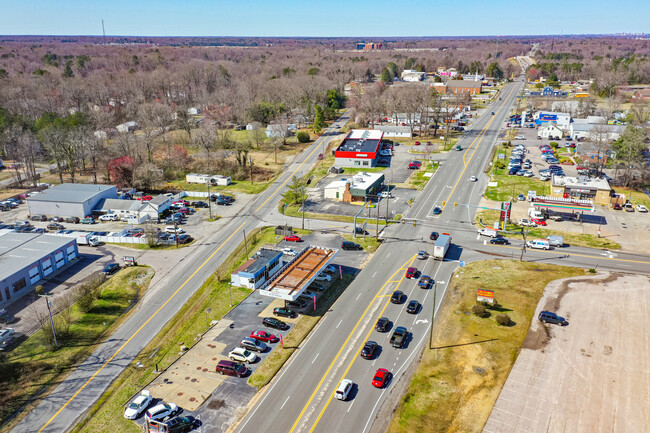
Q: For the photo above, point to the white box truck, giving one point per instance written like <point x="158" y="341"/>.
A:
<point x="88" y="239"/>
<point x="441" y="246"/>
<point x="535" y="213"/>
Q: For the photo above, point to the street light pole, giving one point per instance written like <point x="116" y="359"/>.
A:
<point x="302" y="190"/>
<point x="230" y="291"/>
<point x="209" y="207"/>
<point x="47" y="302"/>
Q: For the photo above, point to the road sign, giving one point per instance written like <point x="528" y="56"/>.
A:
<point x="485" y="296"/>
<point x="462" y="263"/>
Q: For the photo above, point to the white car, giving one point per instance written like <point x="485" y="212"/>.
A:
<point x="323" y="277"/>
<point x="641" y="208"/>
<point x="289" y="251"/>
<point x="488" y="232"/>
<point x="138" y="405"/>
<point x="162" y="411"/>
<point x="330" y="269"/>
<point x="109" y="217"/>
<point x="473" y="179"/>
<point x="385" y="152"/>
<point x="6" y="334"/>
<point x="526" y="223"/>
<point x="529" y="174"/>
<point x="343" y="389"/>
<point x="520" y="137"/>
<point x="385" y="194"/>
<point x="240" y="354"/>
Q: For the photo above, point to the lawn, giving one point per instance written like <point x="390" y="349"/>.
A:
<point x="294" y="211"/>
<point x="509" y="187"/>
<point x="418" y="179"/>
<point x="468" y="360"/>
<point x="33" y="367"/>
<point x="368" y="242"/>
<point x="636" y="197"/>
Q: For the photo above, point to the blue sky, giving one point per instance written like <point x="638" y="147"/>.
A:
<point x="322" y="18"/>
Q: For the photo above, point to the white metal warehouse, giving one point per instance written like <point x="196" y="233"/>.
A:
<point x="69" y="199"/>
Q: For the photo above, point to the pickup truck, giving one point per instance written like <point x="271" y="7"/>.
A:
<point x="425" y="282"/>
<point x="399" y="337"/>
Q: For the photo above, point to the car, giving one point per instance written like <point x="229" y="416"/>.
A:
<point x="182" y="239"/>
<point x="109" y="217"/>
<point x="292" y="238"/>
<point x="433" y="236"/>
<point x="283" y="312"/>
<point x="487" y="231"/>
<point x="346" y="245"/>
<point x="526" y="223"/>
<point x="369" y="350"/>
<point x="240" y="354"/>
<point x="544" y="178"/>
<point x="528" y="173"/>
<point x="180" y="424"/>
<point x="88" y="220"/>
<point x="21" y="224"/>
<point x="397" y="296"/>
<point x="383" y="324"/>
<point x="231" y="368"/>
<point x="493" y="113"/>
<point x="628" y="207"/>
<point x="323" y="277"/>
<point x="422" y="255"/>
<point x="289" y="251"/>
<point x="55" y="227"/>
<point x="641" y="208"/>
<point x="162" y="411"/>
<point x="617" y="206"/>
<point x="548" y="317"/>
<point x="360" y="231"/>
<point x="184" y="211"/>
<point x="413" y="307"/>
<point x="330" y="269"/>
<point x="513" y="171"/>
<point x="385" y="194"/>
<point x="521" y="197"/>
<point x="414" y="165"/>
<point x="381" y="376"/>
<point x="111" y="268"/>
<point x="538" y="221"/>
<point x="38" y="218"/>
<point x="319" y="287"/>
<point x="473" y="179"/>
<point x="425" y="282"/>
<point x="6" y="335"/>
<point x="499" y="241"/>
<point x="138" y="405"/>
<point x="264" y="336"/>
<point x="144" y="198"/>
<point x="252" y="344"/>
<point x="272" y="322"/>
<point x="297" y="304"/>
<point x="343" y="390"/>
<point x="411" y="272"/>
<point x="385" y="152"/>
<point x="437" y="210"/>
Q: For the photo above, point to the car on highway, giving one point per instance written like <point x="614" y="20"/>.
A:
<point x="641" y="208"/>
<point x="264" y="336"/>
<point x="499" y="241"/>
<point x="473" y="179"/>
<point x="284" y="312"/>
<point x="434" y="235"/>
<point x="272" y="322"/>
<point x="381" y="376"/>
<point x="437" y="210"/>
<point x="162" y="411"/>
<point x="397" y="296"/>
<point x="487" y="231"/>
<point x="292" y="238"/>
<point x="548" y="317"/>
<point x="138" y="405"/>
<point x="369" y="350"/>
<point x="252" y="344"/>
<point x="425" y="282"/>
<point x="413" y="307"/>
<point x="422" y="255"/>
<point x="111" y="268"/>
<point x="343" y="390"/>
<point x="347" y="245"/>
<point x="240" y="354"/>
<point x="411" y="272"/>
<point x="383" y="324"/>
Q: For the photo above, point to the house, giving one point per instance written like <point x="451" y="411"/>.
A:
<point x="359" y="149"/>
<point x="155" y="207"/>
<point x="581" y="188"/>
<point x="447" y="72"/>
<point x="358" y="188"/>
<point x="280" y="130"/>
<point x="253" y="126"/>
<point x="550" y="131"/>
<point x="589" y="152"/>
<point x="258" y="269"/>
<point x="412" y="75"/>
<point x="213" y="179"/>
<point x="395" y="131"/>
<point x="127" y="126"/>
<point x="70" y="199"/>
<point x="562" y="120"/>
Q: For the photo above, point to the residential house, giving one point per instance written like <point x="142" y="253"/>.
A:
<point x="127" y="126"/>
<point x="412" y="75"/>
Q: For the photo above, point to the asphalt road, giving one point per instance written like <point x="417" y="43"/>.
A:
<point x="69" y="400"/>
<point x="301" y="399"/>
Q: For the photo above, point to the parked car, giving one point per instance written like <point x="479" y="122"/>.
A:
<point x="323" y="277"/>
<point x="413" y="307"/>
<point x="381" y="376"/>
<point x="369" y="350"/>
<point x="383" y="324"/>
<point x="297" y="304"/>
<point x="111" y="268"/>
<point x="162" y="411"/>
<point x="38" y="218"/>
<point x="628" y="207"/>
<point x="414" y="165"/>
<point x="54" y="226"/>
<point x="538" y="221"/>
<point x="272" y="322"/>
<point x="264" y="336"/>
<point x="88" y="220"/>
<point x="289" y="251"/>
<point x="641" y="208"/>
<point x="109" y="217"/>
<point x="240" y="354"/>
<point x="284" y="312"/>
<point x="343" y="390"/>
<point x="253" y="344"/>
<point x="526" y="223"/>
<point x="292" y="238"/>
<point x="231" y="368"/>
<point x="346" y="245"/>
<point x="548" y="317"/>
<point x="6" y="317"/>
<point x="138" y="405"/>
<point x="182" y="239"/>
<point x="72" y="220"/>
<point x="181" y="424"/>
<point x="617" y="206"/>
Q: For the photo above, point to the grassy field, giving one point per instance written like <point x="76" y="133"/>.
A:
<point x="274" y="362"/>
<point x="636" y="197"/>
<point x="469" y="358"/>
<point x="368" y="242"/>
<point x="509" y="187"/>
<point x="294" y="211"/>
<point x="418" y="180"/>
<point x="185" y="328"/>
<point x="33" y="367"/>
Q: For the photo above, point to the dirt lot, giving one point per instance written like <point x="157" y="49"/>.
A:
<point x="589" y="376"/>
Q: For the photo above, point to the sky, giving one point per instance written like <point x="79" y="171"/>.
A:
<point x="333" y="18"/>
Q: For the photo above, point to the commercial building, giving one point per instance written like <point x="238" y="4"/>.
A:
<point x="28" y="258"/>
<point x="550" y="131"/>
<point x="395" y="131"/>
<point x="359" y="149"/>
<point x="70" y="199"/>
<point x="562" y="120"/>
<point x="138" y="210"/>
<point x="595" y="131"/>
<point x="213" y="179"/>
<point x="459" y="87"/>
<point x="258" y="269"/>
<point x="358" y="188"/>
<point x="581" y="188"/>
<point x="412" y="75"/>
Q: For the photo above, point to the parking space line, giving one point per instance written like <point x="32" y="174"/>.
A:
<point x="514" y="414"/>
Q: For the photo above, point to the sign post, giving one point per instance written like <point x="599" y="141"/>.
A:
<point x="485" y="296"/>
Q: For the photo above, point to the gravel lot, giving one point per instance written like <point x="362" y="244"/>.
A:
<point x="589" y="376"/>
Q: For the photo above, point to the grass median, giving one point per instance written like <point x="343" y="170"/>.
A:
<point x="276" y="359"/>
<point x="468" y="360"/>
<point x="35" y="366"/>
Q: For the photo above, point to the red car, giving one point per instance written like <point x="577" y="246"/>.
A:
<point x="264" y="336"/>
<point x="411" y="272"/>
<point x="417" y="143"/>
<point x="415" y="164"/>
<point x="144" y="198"/>
<point x="292" y="238"/>
<point x="539" y="222"/>
<point x="184" y="210"/>
<point x="381" y="377"/>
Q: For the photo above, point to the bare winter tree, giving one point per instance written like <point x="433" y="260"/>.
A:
<point x="205" y="139"/>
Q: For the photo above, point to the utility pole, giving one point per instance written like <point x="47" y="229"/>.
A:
<point x="250" y="160"/>
<point x="245" y="244"/>
<point x="302" y="198"/>
<point x="209" y="207"/>
<point x="523" y="247"/>
<point x="47" y="301"/>
<point x="377" y="226"/>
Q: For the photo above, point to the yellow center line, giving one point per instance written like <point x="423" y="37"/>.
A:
<point x="137" y="331"/>
<point x="354" y="358"/>
<point x="559" y="253"/>
<point x="313" y="394"/>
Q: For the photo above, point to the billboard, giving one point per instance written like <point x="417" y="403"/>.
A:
<point x="485" y="296"/>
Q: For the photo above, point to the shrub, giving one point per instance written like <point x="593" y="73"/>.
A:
<point x="500" y="165"/>
<point x="303" y="137"/>
<point x="504" y="320"/>
<point x="480" y="311"/>
<point x="553" y="144"/>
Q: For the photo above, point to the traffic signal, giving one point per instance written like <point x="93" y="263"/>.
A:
<point x="455" y="204"/>
<point x="414" y="223"/>
<point x="444" y="203"/>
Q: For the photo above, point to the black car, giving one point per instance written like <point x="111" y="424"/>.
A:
<point x="72" y="220"/>
<point x="434" y="235"/>
<point x="181" y="424"/>
<point x="38" y="218"/>
<point x="499" y="241"/>
<point x="397" y="297"/>
<point x="360" y="231"/>
<point x="111" y="268"/>
<point x="548" y="317"/>
<point x="6" y="316"/>
<point x="272" y="322"/>
<point x="382" y="324"/>
<point x="298" y="303"/>
<point x="413" y="307"/>
<point x="346" y="245"/>
<point x="185" y="239"/>
<point x="369" y="350"/>
<point x="283" y="312"/>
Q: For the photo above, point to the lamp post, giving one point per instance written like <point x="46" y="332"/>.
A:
<point x="47" y="301"/>
<point x="207" y="318"/>
<point x="230" y="291"/>
<point x="209" y="207"/>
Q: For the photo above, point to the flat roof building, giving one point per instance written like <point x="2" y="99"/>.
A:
<point x="359" y="187"/>
<point x="70" y="199"/>
<point x="28" y="258"/>
<point x="581" y="188"/>
<point x="258" y="269"/>
<point x="359" y="149"/>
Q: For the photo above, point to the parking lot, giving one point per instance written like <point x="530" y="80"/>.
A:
<point x="589" y="376"/>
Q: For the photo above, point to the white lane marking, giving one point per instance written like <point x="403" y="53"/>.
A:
<point x="351" y="404"/>
<point x="316" y="357"/>
<point x="387" y="254"/>
<point x="359" y="295"/>
<point x="373" y="275"/>
<point x="285" y="402"/>
<point x="339" y="323"/>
